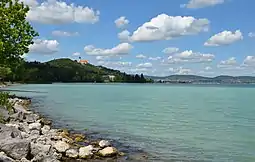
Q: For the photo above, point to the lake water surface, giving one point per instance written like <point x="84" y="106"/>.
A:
<point x="170" y="122"/>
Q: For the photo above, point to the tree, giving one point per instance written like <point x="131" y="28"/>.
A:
<point x="16" y="33"/>
<point x="4" y="72"/>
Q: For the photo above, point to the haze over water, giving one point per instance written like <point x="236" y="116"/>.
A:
<point x="170" y="122"/>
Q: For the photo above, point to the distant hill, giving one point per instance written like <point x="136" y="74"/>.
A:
<point x="201" y="79"/>
<point x="67" y="70"/>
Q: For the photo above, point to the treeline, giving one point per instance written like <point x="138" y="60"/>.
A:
<point x="67" y="70"/>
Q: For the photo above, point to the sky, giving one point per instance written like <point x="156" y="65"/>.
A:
<point x="158" y="38"/>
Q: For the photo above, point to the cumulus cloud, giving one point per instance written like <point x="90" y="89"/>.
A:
<point x="121" y="49"/>
<point x="249" y="61"/>
<point x="207" y="68"/>
<point x="189" y="56"/>
<point x="170" y="50"/>
<point x="251" y="34"/>
<point x="121" y="22"/>
<point x="64" y="33"/>
<point x="144" y="65"/>
<point x="202" y="3"/>
<point x="76" y="54"/>
<point x="44" y="46"/>
<point x="231" y="62"/>
<point x="59" y="12"/>
<point x="154" y="58"/>
<point x="30" y="3"/>
<point x="141" y="56"/>
<point x="224" y="38"/>
<point x="124" y="36"/>
<point x="101" y="58"/>
<point x="122" y="64"/>
<point x="180" y="71"/>
<point x="164" y="27"/>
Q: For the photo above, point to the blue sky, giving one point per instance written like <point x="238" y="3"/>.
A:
<point x="202" y="37"/>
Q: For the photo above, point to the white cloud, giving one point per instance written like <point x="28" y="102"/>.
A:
<point x="30" y="3"/>
<point x="100" y="58"/>
<point x="170" y="50"/>
<point x="121" y="22"/>
<point x="202" y="3"/>
<point x="124" y="36"/>
<point x="164" y="27"/>
<point x="180" y="71"/>
<point x="138" y="70"/>
<point x="76" y="54"/>
<point x="224" y="38"/>
<point x="122" y="64"/>
<point x="190" y="57"/>
<point x="154" y="58"/>
<point x="229" y="63"/>
<point x="121" y="49"/>
<point x="59" y="12"/>
<point x="249" y="61"/>
<point x="207" y="68"/>
<point x="144" y="65"/>
<point x="141" y="56"/>
<point x="251" y="34"/>
<point x="44" y="46"/>
<point x="64" y="33"/>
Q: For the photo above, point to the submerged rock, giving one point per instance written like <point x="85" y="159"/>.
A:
<point x="104" y="143"/>
<point x="108" y="152"/>
<point x="84" y="152"/>
<point x="61" y="146"/>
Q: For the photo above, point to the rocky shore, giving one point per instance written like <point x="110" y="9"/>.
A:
<point x="26" y="136"/>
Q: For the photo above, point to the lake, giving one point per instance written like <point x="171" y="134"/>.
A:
<point x="170" y="122"/>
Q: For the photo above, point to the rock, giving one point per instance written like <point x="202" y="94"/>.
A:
<point x="61" y="146"/>
<point x="45" y="121"/>
<point x="15" y="148"/>
<point x="35" y="126"/>
<point x="57" y="155"/>
<point x="19" y="108"/>
<point x="4" y="113"/>
<point x="24" y="160"/>
<point x="35" y="133"/>
<point x="104" y="143"/>
<point x="5" y="158"/>
<point x="31" y="118"/>
<point x="37" y="148"/>
<point x="108" y="152"/>
<point x="9" y="132"/>
<point x="24" y="127"/>
<point x="44" y="140"/>
<point x="45" y="129"/>
<point x="24" y="135"/>
<point x="84" y="152"/>
<point x="72" y="153"/>
<point x="19" y="116"/>
<point x="12" y="125"/>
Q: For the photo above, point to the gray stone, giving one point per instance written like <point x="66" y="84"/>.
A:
<point x="84" y="152"/>
<point x="72" y="153"/>
<point x="24" y="127"/>
<point x="19" y="116"/>
<point x="45" y="129"/>
<point x="31" y="118"/>
<point x="15" y="148"/>
<point x="61" y="146"/>
<point x="37" y="148"/>
<point x="20" y="108"/>
<point x="45" y="121"/>
<point x="108" y="152"/>
<point x="44" y="140"/>
<point x="24" y="160"/>
<point x="24" y="135"/>
<point x="5" y="158"/>
<point x="35" y="126"/>
<point x="104" y="143"/>
<point x="4" y="113"/>
<point x="9" y="132"/>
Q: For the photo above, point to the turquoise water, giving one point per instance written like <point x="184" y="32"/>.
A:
<point x="171" y="123"/>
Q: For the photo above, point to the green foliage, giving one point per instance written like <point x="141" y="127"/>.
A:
<point x="16" y="34"/>
<point x="4" y="96"/>
<point x="4" y="72"/>
<point x="66" y="70"/>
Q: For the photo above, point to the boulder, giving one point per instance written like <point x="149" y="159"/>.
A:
<point x="20" y="108"/>
<point x="61" y="146"/>
<point x="9" y="132"/>
<point x="108" y="152"/>
<point x="5" y="158"/>
<point x="72" y="153"/>
<point x="44" y="140"/>
<point x="15" y="148"/>
<point x="45" y="121"/>
<point x="19" y="116"/>
<point x="24" y="135"/>
<point x="31" y="118"/>
<point x="45" y="129"/>
<point x="12" y="125"/>
<point x="104" y="143"/>
<point x="24" y="127"/>
<point x="37" y="148"/>
<point x="84" y="152"/>
<point x="35" y="126"/>
<point x="24" y="160"/>
<point x="4" y="113"/>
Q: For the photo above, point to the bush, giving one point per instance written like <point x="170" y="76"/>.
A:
<point x="4" y="101"/>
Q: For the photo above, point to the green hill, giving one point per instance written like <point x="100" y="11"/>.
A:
<point x="67" y="70"/>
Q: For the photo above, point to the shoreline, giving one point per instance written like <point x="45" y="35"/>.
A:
<point x="38" y="132"/>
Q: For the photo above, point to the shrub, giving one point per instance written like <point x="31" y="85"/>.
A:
<point x="4" y="101"/>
